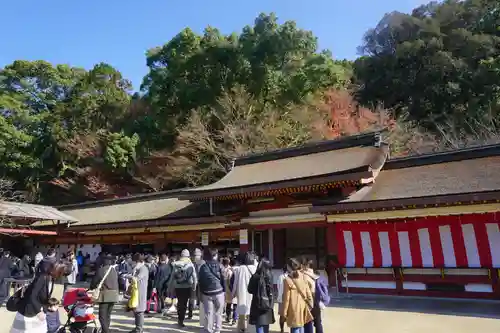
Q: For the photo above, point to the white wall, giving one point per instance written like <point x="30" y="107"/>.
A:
<point x="91" y="249"/>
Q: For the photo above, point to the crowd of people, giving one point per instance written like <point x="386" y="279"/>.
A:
<point x="238" y="290"/>
<point x="15" y="268"/>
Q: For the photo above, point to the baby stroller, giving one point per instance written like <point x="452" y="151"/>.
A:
<point x="80" y="309"/>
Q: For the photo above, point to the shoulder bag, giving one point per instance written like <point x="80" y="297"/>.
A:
<point x="218" y="277"/>
<point x="97" y="292"/>
<point x="301" y="293"/>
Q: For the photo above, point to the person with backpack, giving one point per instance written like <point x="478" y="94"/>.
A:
<point x="211" y="283"/>
<point x="261" y="288"/>
<point x="184" y="283"/>
<point x="321" y="300"/>
<point x="320" y="293"/>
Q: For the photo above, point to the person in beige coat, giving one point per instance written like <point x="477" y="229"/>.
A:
<point x="297" y="298"/>
<point x="227" y="272"/>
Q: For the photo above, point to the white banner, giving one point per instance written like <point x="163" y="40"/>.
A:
<point x="243" y="236"/>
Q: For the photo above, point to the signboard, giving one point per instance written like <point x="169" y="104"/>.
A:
<point x="204" y="239"/>
<point x="243" y="236"/>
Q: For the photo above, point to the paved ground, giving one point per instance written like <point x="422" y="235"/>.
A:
<point x="355" y="315"/>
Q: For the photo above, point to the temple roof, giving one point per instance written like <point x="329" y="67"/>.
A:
<point x="24" y="213"/>
<point x="128" y="211"/>
<point x="467" y="176"/>
<point x="460" y="175"/>
<point x="156" y="209"/>
<point x="348" y="159"/>
<point x="437" y="179"/>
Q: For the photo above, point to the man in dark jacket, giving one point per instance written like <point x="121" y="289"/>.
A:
<point x="99" y="261"/>
<point x="212" y="289"/>
<point x="162" y="280"/>
<point x="152" y="269"/>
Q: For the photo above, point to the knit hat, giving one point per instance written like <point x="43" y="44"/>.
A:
<point x="185" y="253"/>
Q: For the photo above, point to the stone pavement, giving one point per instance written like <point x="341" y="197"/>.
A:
<point x="360" y="314"/>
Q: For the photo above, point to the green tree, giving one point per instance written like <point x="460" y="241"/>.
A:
<point x="49" y="115"/>
<point x="275" y="63"/>
<point x="433" y="63"/>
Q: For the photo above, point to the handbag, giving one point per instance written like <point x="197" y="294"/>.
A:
<point x="97" y="292"/>
<point x="14" y="300"/>
<point x="152" y="303"/>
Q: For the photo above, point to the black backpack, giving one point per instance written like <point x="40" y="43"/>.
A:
<point x="264" y="294"/>
<point x="182" y="276"/>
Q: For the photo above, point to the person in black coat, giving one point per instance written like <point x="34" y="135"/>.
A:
<point x="261" y="287"/>
<point x="108" y="295"/>
<point x="162" y="279"/>
<point x="152" y="268"/>
<point x="23" y="268"/>
<point x="38" y="292"/>
<point x="30" y="316"/>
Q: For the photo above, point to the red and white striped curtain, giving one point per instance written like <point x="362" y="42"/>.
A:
<point x="451" y="241"/>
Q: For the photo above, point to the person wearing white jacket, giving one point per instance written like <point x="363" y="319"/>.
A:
<point x="279" y="299"/>
<point x="70" y="279"/>
<point x="241" y="278"/>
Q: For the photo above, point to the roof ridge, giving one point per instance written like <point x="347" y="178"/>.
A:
<point x="455" y="155"/>
<point x="169" y="194"/>
<point x="373" y="138"/>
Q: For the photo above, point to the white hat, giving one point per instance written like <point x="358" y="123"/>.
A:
<point x="185" y="253"/>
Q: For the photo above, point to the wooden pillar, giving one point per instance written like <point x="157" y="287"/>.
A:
<point x="265" y="243"/>
<point x="399" y="278"/>
<point x="331" y="240"/>
<point x="271" y="246"/>
<point x="495" y="281"/>
<point x="331" y="252"/>
<point x="279" y="246"/>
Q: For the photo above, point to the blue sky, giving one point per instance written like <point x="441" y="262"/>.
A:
<point x="82" y="33"/>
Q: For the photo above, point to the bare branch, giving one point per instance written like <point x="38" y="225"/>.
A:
<point x="239" y="125"/>
<point x="8" y="192"/>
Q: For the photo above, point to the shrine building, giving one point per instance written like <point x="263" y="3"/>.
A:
<point x="424" y="225"/>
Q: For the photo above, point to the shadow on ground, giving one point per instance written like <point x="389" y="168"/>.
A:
<point x="465" y="308"/>
<point x="122" y="321"/>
